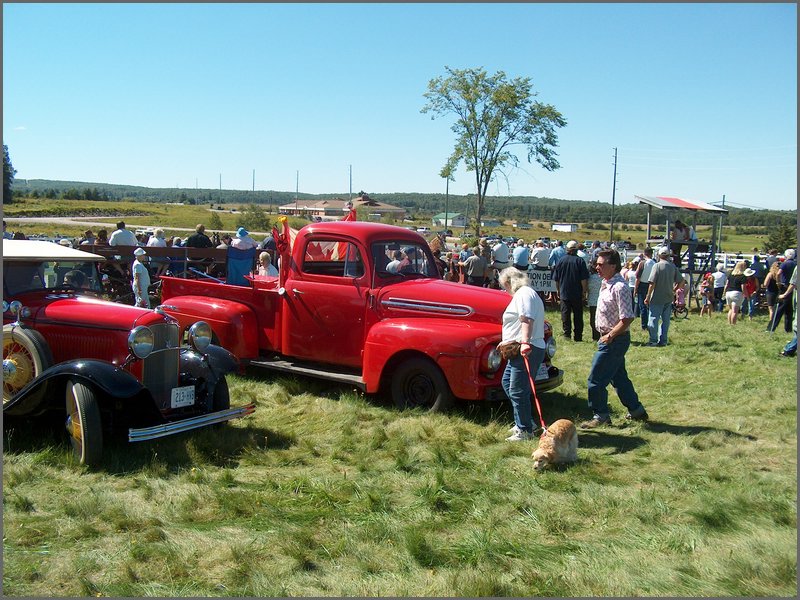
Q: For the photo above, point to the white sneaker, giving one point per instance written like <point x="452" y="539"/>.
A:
<point x="519" y="436"/>
<point x="514" y="429"/>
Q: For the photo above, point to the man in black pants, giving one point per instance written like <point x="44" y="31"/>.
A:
<point x="572" y="277"/>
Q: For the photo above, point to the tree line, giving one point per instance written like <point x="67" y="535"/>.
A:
<point x="419" y="205"/>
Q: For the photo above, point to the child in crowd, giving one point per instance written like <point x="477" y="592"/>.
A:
<point x="706" y="291"/>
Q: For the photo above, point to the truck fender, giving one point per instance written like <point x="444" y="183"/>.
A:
<point x="109" y="379"/>
<point x="234" y="324"/>
<point x="444" y="341"/>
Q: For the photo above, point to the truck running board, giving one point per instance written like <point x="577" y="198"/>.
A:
<point x="311" y="370"/>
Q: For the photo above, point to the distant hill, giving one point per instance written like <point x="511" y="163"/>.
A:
<point x="520" y="208"/>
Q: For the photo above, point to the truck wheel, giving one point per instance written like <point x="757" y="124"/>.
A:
<point x="25" y="355"/>
<point x="417" y="382"/>
<point x="83" y="423"/>
<point x="222" y="397"/>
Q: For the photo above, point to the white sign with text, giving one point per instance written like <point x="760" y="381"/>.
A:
<point x="541" y="281"/>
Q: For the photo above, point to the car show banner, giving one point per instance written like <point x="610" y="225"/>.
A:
<point x="542" y="281"/>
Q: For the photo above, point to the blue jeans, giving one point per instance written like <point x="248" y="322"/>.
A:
<point x="608" y="366"/>
<point x="641" y="293"/>
<point x="791" y="347"/>
<point x="517" y="386"/>
<point x="664" y="313"/>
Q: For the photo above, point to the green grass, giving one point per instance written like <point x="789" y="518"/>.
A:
<point x="326" y="492"/>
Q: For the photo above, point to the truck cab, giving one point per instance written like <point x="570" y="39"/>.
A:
<point x="361" y="303"/>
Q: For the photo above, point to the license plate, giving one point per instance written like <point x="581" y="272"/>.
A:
<point x="542" y="372"/>
<point x="182" y="396"/>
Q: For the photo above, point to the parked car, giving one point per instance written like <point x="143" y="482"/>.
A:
<point x="99" y="364"/>
<point x="338" y="312"/>
<point x="423" y="230"/>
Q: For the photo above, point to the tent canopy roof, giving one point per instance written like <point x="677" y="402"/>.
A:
<point x="670" y="202"/>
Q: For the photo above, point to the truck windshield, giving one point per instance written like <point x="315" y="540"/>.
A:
<point x="397" y="258"/>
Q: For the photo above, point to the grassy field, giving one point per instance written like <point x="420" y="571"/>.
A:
<point x="325" y="492"/>
<point x="168" y="216"/>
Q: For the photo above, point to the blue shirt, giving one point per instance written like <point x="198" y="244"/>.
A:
<point x="520" y="255"/>
<point x="557" y="254"/>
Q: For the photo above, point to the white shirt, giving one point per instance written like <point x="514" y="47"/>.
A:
<point x="525" y="302"/>
<point x="155" y="242"/>
<point x="646" y="269"/>
<point x="500" y="252"/>
<point x="541" y="256"/>
<point x="123" y="237"/>
<point x="244" y="243"/>
<point x="720" y="278"/>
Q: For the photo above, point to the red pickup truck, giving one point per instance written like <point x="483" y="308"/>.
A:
<point x="361" y="303"/>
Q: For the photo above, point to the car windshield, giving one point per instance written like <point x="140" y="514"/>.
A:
<point x="397" y="258"/>
<point x="25" y="276"/>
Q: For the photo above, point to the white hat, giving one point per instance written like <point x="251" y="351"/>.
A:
<point x="572" y="244"/>
<point x="139" y="252"/>
<point x="664" y="251"/>
<point x="749" y="272"/>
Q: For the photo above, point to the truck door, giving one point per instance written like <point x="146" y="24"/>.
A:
<point x="325" y="304"/>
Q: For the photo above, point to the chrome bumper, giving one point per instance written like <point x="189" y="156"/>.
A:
<point x="159" y="431"/>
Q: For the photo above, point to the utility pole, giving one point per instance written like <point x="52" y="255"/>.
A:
<point x="296" y="191"/>
<point x="719" y="238"/>
<point x="351" y="183"/>
<point x="613" y="198"/>
<point x="254" y="180"/>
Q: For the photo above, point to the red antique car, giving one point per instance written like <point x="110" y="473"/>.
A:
<point x="341" y="311"/>
<point x="102" y="365"/>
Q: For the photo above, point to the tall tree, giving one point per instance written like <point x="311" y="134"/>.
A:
<point x="493" y="115"/>
<point x="782" y="237"/>
<point x="8" y="176"/>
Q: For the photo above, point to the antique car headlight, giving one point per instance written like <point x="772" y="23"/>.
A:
<point x="200" y="336"/>
<point x="493" y="360"/>
<point x="551" y="347"/>
<point x="141" y="342"/>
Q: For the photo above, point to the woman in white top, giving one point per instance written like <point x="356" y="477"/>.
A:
<point x="159" y="263"/>
<point x="523" y="322"/>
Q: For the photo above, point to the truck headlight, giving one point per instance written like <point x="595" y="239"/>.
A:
<point x="550" y="347"/>
<point x="200" y="336"/>
<point x="141" y="342"/>
<point x="493" y="360"/>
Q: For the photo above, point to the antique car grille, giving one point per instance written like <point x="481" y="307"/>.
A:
<point x="161" y="369"/>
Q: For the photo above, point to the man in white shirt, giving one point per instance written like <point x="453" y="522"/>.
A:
<point x="500" y="256"/>
<point x="122" y="236"/>
<point x="540" y="256"/>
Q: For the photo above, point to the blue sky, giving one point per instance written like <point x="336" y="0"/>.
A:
<point x="699" y="99"/>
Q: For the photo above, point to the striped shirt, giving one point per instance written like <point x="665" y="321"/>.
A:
<point x="613" y="304"/>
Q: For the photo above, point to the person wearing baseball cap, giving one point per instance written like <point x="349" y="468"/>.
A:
<point x="665" y="278"/>
<point x="141" y="278"/>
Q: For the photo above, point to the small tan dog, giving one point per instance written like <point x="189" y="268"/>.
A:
<point x="559" y="444"/>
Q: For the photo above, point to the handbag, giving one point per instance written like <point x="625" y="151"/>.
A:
<point x="508" y="349"/>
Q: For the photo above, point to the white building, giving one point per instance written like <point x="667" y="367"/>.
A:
<point x="565" y="227"/>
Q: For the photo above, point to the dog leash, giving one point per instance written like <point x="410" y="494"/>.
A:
<point x="535" y="397"/>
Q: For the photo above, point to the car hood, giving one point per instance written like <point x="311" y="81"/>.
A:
<point x="91" y="312"/>
<point x="439" y="298"/>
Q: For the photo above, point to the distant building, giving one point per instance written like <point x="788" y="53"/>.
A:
<point x="450" y="220"/>
<point x="490" y="223"/>
<point x="565" y="227"/>
<point x="336" y="208"/>
<point x="521" y="225"/>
